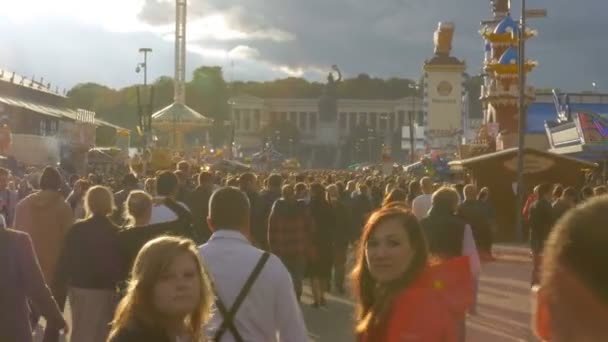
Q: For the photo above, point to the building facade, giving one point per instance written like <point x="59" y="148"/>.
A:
<point x="381" y="119"/>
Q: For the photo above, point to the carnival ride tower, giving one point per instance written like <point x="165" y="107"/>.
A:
<point x="500" y="92"/>
<point x="177" y="120"/>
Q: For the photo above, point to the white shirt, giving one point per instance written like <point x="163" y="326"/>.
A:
<point x="270" y="312"/>
<point x="421" y="206"/>
<point x="469" y="248"/>
<point x="161" y="213"/>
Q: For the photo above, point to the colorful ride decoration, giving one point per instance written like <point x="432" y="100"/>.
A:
<point x="432" y="165"/>
<point x="291" y="164"/>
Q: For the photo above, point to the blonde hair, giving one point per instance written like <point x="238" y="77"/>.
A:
<point x="137" y="205"/>
<point x="153" y="259"/>
<point x="98" y="201"/>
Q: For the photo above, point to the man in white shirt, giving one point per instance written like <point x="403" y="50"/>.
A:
<point x="266" y="310"/>
<point x="422" y="204"/>
<point x="167" y="187"/>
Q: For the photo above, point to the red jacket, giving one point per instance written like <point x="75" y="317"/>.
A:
<point x="432" y="308"/>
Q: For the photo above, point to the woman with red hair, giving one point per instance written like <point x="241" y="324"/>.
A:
<point x="400" y="297"/>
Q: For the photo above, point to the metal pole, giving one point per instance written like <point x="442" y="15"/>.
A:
<point x="522" y="123"/>
<point x="412" y="141"/>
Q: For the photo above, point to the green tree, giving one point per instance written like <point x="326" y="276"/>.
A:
<point x="208" y="94"/>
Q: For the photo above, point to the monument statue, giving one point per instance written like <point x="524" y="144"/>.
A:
<point x="443" y="38"/>
<point x="328" y="104"/>
<point x="501" y="6"/>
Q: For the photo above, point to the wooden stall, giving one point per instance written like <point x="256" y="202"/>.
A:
<point x="498" y="172"/>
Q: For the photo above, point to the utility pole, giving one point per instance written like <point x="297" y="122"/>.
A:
<point x="525" y="13"/>
<point x="145" y="111"/>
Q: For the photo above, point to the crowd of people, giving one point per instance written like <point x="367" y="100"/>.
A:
<point x="197" y="256"/>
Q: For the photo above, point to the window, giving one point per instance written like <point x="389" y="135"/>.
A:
<point x="283" y="116"/>
<point x="247" y="122"/>
<point x="343" y="117"/>
<point x="293" y="117"/>
<point x="273" y="116"/>
<point x="401" y="119"/>
<point x="383" y="121"/>
<point x="362" y="119"/>
<point x="420" y="118"/>
<point x="391" y="121"/>
<point x="237" y="118"/>
<point x="257" y="118"/>
<point x="352" y="122"/>
<point x="313" y="121"/>
<point x="373" y="120"/>
<point x="302" y="123"/>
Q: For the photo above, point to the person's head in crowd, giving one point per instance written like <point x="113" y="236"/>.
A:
<point x="390" y="185"/>
<point x="98" y="202"/>
<point x="333" y="194"/>
<point x="167" y="185"/>
<point x="600" y="190"/>
<point x="205" y="179"/>
<point x="288" y="193"/>
<point x="182" y="178"/>
<point x="50" y="179"/>
<point x="247" y="182"/>
<point x="301" y="190"/>
<point x="317" y="192"/>
<point x="169" y="290"/>
<point x="341" y="187"/>
<point x="73" y="179"/>
<point x="445" y="199"/>
<point x="414" y="189"/>
<point x="469" y="192"/>
<point x="138" y="208"/>
<point x="391" y="255"/>
<point x="484" y="194"/>
<point x="4" y="178"/>
<point x="426" y="184"/>
<point x="363" y="189"/>
<point x="184" y="167"/>
<point x="81" y="186"/>
<point x="570" y="195"/>
<point x="351" y="186"/>
<point x="275" y="181"/>
<point x="586" y="193"/>
<point x="545" y="192"/>
<point x="150" y="186"/>
<point x="229" y="208"/>
<point x="233" y="182"/>
<point x="558" y="190"/>
<point x="572" y="300"/>
<point x="92" y="178"/>
<point x="300" y="178"/>
<point x="395" y="196"/>
<point x="129" y="182"/>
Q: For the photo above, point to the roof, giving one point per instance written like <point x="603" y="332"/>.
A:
<point x="13" y="78"/>
<point x="506" y="25"/>
<point x="180" y="113"/>
<point x="511" y="152"/>
<point x="53" y="111"/>
<point x="105" y="123"/>
<point x="509" y="57"/>
<point x="538" y="113"/>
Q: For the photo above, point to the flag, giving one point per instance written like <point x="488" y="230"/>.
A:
<point x="453" y="279"/>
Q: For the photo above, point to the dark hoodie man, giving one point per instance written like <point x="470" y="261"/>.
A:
<point x="198" y="202"/>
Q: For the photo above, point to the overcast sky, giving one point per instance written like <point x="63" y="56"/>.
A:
<point x="74" y="41"/>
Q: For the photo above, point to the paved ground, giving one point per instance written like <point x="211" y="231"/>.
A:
<point x="504" y="308"/>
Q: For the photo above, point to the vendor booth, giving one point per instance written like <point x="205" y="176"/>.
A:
<point x="498" y="172"/>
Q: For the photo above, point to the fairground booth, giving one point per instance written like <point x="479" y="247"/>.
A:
<point x="498" y="172"/>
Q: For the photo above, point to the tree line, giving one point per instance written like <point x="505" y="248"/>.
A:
<point x="208" y="94"/>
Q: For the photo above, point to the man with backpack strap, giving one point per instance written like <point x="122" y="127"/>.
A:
<point x="255" y="300"/>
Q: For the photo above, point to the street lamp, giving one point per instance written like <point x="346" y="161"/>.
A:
<point x="144" y="65"/>
<point x="411" y="121"/>
<point x="525" y="13"/>
<point x="231" y="103"/>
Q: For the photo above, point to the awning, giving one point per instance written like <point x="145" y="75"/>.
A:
<point x="100" y="122"/>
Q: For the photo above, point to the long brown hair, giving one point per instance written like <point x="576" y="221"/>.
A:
<point x="153" y="259"/>
<point x="374" y="299"/>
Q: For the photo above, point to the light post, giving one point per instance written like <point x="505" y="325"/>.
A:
<point x="231" y="103"/>
<point x="525" y="14"/>
<point x="411" y="122"/>
<point x="291" y="147"/>
<point x="145" y="119"/>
